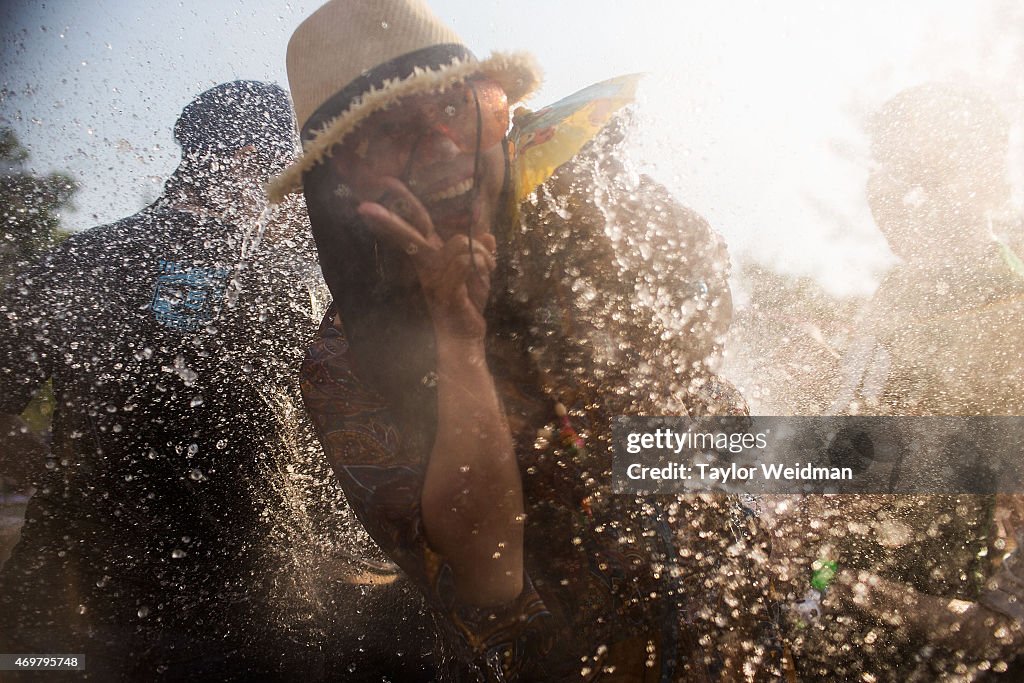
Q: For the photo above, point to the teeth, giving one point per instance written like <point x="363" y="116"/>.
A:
<point x="453" y="191"/>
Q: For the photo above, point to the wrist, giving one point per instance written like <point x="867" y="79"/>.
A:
<point x="460" y="349"/>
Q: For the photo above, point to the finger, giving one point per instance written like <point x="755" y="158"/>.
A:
<point x="453" y="278"/>
<point x="455" y="245"/>
<point x="478" y="285"/>
<point x="394" y="229"/>
<point x="485" y="256"/>
<point x="488" y="240"/>
<point x="458" y="246"/>
<point x="409" y="206"/>
<point x="471" y="273"/>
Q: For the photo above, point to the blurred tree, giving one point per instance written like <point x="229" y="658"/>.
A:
<point x="29" y="225"/>
<point x="29" y="207"/>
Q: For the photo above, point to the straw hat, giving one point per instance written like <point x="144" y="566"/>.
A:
<point x="352" y="58"/>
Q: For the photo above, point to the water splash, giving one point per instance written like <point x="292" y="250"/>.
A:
<point x="251" y="242"/>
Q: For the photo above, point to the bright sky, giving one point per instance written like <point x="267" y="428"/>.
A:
<point x="752" y="113"/>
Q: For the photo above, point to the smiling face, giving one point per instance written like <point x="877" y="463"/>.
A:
<point x="430" y="143"/>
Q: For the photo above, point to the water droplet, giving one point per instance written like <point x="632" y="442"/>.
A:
<point x="196" y="401"/>
<point x="178" y="553"/>
<point x="143" y="612"/>
<point x="187" y="375"/>
<point x="196" y="474"/>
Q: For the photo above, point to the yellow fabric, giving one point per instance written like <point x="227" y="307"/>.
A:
<point x="545" y="139"/>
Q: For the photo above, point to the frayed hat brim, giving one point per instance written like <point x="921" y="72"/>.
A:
<point x="517" y="73"/>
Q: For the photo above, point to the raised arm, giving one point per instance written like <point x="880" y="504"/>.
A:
<point x="472" y="494"/>
<point x="472" y="500"/>
<point x="384" y="484"/>
<point x="387" y="485"/>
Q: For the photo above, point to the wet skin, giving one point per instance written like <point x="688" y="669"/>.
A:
<point x="411" y="171"/>
<point x="428" y="142"/>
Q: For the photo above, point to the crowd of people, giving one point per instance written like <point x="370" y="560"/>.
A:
<point x="368" y="436"/>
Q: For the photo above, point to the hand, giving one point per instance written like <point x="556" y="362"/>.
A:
<point x="456" y="280"/>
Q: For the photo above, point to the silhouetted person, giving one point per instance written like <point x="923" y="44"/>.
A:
<point x="184" y="526"/>
<point x="942" y="333"/>
<point x="924" y="589"/>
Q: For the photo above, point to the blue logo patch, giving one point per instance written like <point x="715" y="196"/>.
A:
<point x="187" y="297"/>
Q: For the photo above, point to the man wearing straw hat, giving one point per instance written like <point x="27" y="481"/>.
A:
<point x="464" y="380"/>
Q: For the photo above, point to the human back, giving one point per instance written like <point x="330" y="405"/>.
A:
<point x="162" y="528"/>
